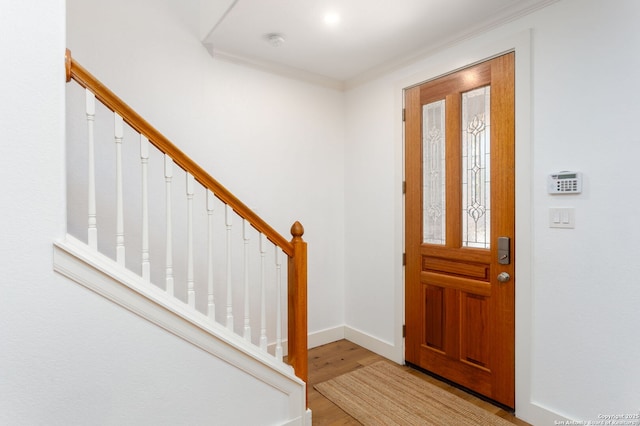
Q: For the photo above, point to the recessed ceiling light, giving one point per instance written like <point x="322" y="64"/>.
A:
<point x="331" y="18"/>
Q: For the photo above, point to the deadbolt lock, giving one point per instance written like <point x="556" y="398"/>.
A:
<point x="504" y="250"/>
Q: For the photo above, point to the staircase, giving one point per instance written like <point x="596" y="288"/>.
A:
<point x="150" y="230"/>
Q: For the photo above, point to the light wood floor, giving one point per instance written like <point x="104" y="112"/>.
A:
<point x="334" y="359"/>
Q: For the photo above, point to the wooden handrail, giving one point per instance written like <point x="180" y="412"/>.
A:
<point x="76" y="72"/>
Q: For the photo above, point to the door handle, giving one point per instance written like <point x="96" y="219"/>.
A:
<point x="503" y="277"/>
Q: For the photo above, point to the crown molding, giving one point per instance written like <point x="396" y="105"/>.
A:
<point x="275" y="68"/>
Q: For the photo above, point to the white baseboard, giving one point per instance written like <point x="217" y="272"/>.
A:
<point x="330" y="335"/>
<point x="315" y="339"/>
<point x="322" y="337"/>
<point x="374" y="344"/>
<point x="533" y="413"/>
<point x="304" y="420"/>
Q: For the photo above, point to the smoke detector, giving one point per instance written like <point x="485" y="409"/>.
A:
<point x="274" y="39"/>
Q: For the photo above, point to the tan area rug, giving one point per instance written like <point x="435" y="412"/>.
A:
<point x="385" y="394"/>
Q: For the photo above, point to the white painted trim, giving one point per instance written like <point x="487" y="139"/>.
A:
<point x="277" y="69"/>
<point x="305" y="420"/>
<point x="322" y="337"/>
<point x="470" y="52"/>
<point x="222" y="17"/>
<point x="101" y="274"/>
<point x="500" y="18"/>
<point x="372" y="343"/>
<point x="315" y="339"/>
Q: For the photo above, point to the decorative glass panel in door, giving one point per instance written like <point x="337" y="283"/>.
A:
<point x="433" y="149"/>
<point x="476" y="182"/>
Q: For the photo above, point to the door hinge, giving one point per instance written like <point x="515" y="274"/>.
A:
<point x="404" y="114"/>
<point x="404" y="186"/>
<point x="404" y="330"/>
<point x="404" y="259"/>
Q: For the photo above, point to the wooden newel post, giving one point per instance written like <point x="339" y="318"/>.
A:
<point x="67" y="65"/>
<point x="297" y="324"/>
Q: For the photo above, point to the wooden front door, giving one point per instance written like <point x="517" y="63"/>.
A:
<point x="460" y="283"/>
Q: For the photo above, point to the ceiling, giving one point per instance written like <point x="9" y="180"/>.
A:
<point x="370" y="35"/>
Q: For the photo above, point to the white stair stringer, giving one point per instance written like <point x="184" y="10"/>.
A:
<point x="97" y="272"/>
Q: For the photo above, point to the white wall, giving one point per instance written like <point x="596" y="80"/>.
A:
<point x="581" y="301"/>
<point x="68" y="356"/>
<point x="274" y="142"/>
<point x="578" y="307"/>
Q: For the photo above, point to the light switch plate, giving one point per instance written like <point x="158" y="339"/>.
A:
<point x="562" y="217"/>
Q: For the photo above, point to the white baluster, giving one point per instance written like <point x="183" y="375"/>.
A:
<point x="168" y="175"/>
<point x="144" y="163"/>
<point x="92" y="231"/>
<point x="247" y="322"/>
<point x="211" y="310"/>
<point x="278" y="304"/>
<point x="228" y="214"/>
<point x="263" y="302"/>
<point x="118" y="130"/>
<point x="191" y="291"/>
